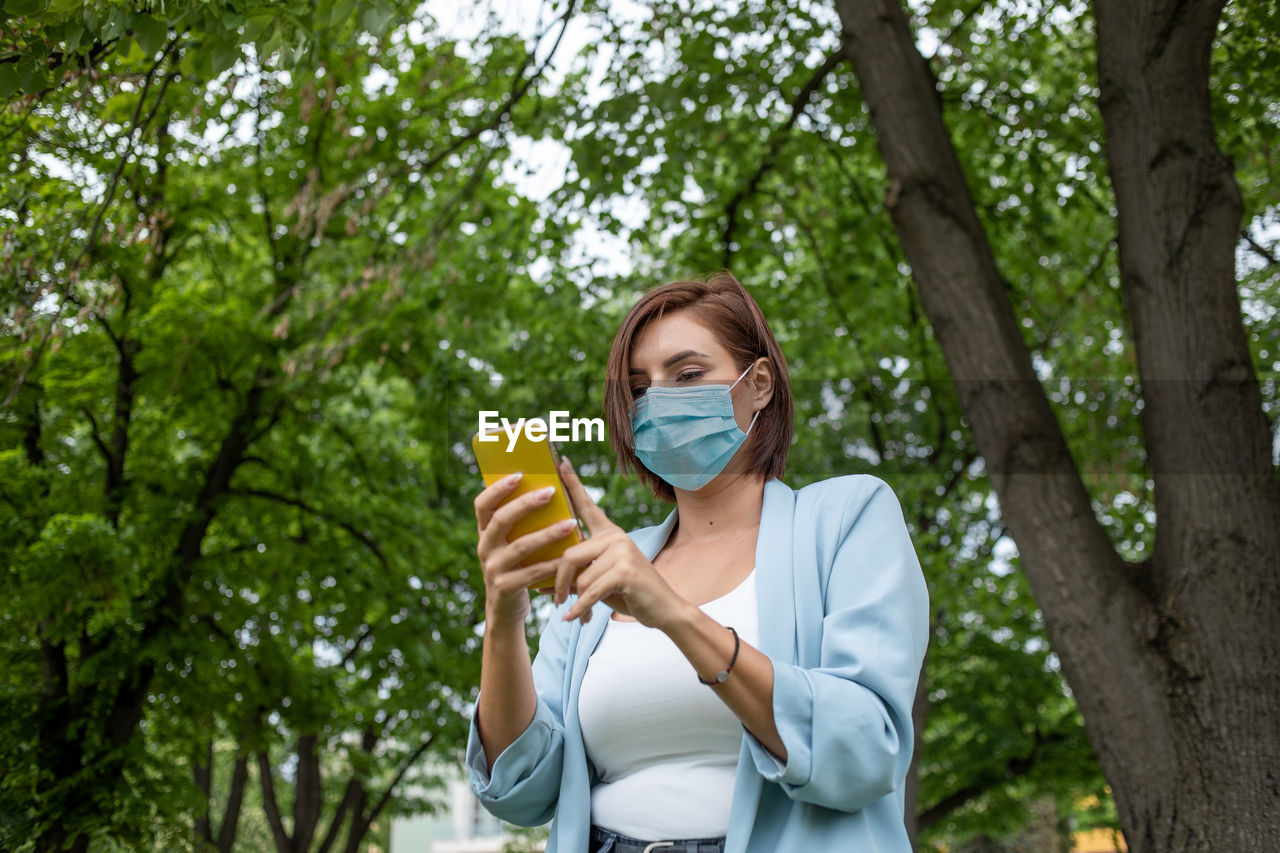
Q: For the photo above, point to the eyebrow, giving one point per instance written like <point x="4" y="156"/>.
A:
<point x="680" y="356"/>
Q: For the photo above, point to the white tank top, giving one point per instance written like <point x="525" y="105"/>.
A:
<point x="665" y="747"/>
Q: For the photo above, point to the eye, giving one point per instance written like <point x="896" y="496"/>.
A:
<point x="637" y="391"/>
<point x="689" y="375"/>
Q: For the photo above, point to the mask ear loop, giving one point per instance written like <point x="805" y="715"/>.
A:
<point x="734" y="385"/>
<point x="744" y="373"/>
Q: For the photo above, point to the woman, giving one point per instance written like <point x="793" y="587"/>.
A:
<point x="737" y="678"/>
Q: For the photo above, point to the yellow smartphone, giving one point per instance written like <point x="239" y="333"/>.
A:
<point x="499" y="455"/>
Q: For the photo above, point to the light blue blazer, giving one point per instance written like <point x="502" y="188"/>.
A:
<point x="843" y="617"/>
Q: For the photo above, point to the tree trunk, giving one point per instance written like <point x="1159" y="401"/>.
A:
<point x="271" y="805"/>
<point x="1213" y="570"/>
<point x="1168" y="659"/>
<point x="307" y="798"/>
<point x="359" y="822"/>
<point x="202" y="775"/>
<point x="235" y="800"/>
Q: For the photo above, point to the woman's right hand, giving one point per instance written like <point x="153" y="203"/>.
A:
<point x="505" y="582"/>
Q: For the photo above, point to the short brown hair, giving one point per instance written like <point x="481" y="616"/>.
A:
<point x="723" y="305"/>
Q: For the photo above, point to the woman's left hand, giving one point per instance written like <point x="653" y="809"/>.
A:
<point x="617" y="572"/>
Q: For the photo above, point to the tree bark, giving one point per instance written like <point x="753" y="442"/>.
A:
<point x="202" y="775"/>
<point x="1168" y="658"/>
<point x="271" y="805"/>
<point x="235" y="799"/>
<point x="362" y="822"/>
<point x="1213" y="573"/>
<point x="354" y="795"/>
<point x="307" y="796"/>
<point x="359" y="825"/>
<point x="202" y="772"/>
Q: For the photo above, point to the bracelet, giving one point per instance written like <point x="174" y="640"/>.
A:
<point x="723" y="674"/>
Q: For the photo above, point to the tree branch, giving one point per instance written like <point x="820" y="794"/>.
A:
<point x="368" y="819"/>
<point x="519" y="88"/>
<point x="271" y="805"/>
<point x="349" y="796"/>
<point x="365" y="631"/>
<point x="96" y="435"/>
<point x="268" y="224"/>
<point x="202" y="775"/>
<point x="355" y="533"/>
<point x="235" y="799"/>
<point x="137" y="130"/>
<point x="353" y="796"/>
<point x="1261" y="250"/>
<point x="56" y="58"/>
<point x="32" y="429"/>
<point x="967" y="16"/>
<point x="1012" y="769"/>
<point x="776" y="141"/>
<point x="864" y="388"/>
<point x="125" y="379"/>
<point x="166" y="608"/>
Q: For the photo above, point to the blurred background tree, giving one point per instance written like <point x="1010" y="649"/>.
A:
<point x="263" y="265"/>
<point x="241" y="248"/>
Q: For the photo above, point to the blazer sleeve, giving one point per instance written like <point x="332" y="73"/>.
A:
<point x="846" y="723"/>
<point x="525" y="783"/>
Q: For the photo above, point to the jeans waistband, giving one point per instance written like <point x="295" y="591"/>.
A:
<point x="604" y="841"/>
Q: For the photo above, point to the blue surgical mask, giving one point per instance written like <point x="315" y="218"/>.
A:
<point x="687" y="435"/>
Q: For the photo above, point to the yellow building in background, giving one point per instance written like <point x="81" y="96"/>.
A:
<point x="1098" y="841"/>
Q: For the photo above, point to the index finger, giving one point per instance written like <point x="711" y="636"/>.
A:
<point x="596" y="520"/>
<point x="492" y="497"/>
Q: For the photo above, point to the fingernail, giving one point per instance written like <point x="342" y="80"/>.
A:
<point x="545" y="494"/>
<point x="566" y="461"/>
<point x="566" y="525"/>
<point x="512" y="479"/>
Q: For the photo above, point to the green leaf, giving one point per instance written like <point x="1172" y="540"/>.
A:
<point x="114" y="26"/>
<point x="340" y="12"/>
<point x="25" y="7"/>
<point x="9" y="83"/>
<point x="149" y="33"/>
<point x="119" y="108"/>
<point x="194" y="64"/>
<point x="222" y="55"/>
<point x="33" y="75"/>
<point x="256" y="23"/>
<point x="129" y="51"/>
<point x="376" y="17"/>
<point x="68" y="34"/>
